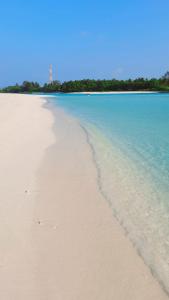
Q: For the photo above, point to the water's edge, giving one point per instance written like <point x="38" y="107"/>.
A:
<point x="115" y="215"/>
<point x="50" y="105"/>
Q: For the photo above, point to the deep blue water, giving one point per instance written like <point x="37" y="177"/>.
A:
<point x="130" y="137"/>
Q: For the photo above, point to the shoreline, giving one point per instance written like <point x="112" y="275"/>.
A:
<point x="112" y="93"/>
<point x="116" y="216"/>
<point x="59" y="236"/>
<point x="78" y="134"/>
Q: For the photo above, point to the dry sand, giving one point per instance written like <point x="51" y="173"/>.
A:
<point x="58" y="238"/>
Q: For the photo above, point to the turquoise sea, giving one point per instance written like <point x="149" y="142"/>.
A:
<point x="129" y="136"/>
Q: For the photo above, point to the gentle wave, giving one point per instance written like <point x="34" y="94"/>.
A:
<point x="128" y="135"/>
<point x="134" y="200"/>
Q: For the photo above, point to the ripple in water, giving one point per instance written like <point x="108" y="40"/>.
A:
<point x="129" y="135"/>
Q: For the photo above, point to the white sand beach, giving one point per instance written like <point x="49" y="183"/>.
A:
<point x="58" y="237"/>
<point x="112" y="93"/>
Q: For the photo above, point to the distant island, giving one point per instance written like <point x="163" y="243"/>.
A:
<point x="91" y="85"/>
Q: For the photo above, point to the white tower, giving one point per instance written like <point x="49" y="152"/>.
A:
<point x="50" y="74"/>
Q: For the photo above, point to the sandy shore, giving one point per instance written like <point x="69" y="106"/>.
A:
<point x="112" y="93"/>
<point x="58" y="237"/>
<point x="25" y="134"/>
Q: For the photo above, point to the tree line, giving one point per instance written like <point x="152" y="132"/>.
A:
<point x="91" y="85"/>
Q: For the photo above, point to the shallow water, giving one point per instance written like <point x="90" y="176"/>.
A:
<point x="129" y="135"/>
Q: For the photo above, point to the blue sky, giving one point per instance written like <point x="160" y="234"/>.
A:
<point x="83" y="39"/>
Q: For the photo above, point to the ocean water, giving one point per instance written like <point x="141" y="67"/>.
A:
<point x="129" y="136"/>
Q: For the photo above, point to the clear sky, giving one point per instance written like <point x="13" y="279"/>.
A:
<point x="83" y="39"/>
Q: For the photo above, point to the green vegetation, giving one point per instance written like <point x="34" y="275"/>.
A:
<point x="91" y="85"/>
